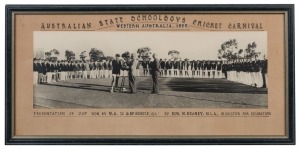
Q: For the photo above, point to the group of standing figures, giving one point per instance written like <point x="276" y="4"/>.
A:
<point x="131" y="65"/>
<point x="249" y="72"/>
<point x="46" y="71"/>
<point x="246" y="71"/>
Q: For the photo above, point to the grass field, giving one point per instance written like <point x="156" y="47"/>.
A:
<point x="174" y="93"/>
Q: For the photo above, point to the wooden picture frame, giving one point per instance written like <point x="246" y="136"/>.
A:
<point x="274" y="123"/>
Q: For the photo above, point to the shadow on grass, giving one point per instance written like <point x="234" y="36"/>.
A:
<point x="178" y="85"/>
<point x="216" y="101"/>
<point x="85" y="87"/>
<point x="203" y="85"/>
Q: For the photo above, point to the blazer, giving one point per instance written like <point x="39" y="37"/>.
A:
<point x="169" y="65"/>
<point x="163" y="65"/>
<point x="155" y="65"/>
<point x="175" y="65"/>
<point x="116" y="67"/>
<point x="132" y="67"/>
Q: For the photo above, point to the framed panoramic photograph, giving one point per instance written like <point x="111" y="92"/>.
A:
<point x="150" y="74"/>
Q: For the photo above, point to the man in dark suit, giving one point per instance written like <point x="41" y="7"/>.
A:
<point x="155" y="74"/>
<point x="132" y="73"/>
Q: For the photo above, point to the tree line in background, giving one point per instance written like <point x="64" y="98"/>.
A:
<point x="145" y="54"/>
<point x="94" y="55"/>
<point x="229" y="51"/>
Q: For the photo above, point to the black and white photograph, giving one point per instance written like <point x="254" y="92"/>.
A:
<point x="150" y="69"/>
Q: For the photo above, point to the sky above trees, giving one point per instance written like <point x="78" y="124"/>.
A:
<point x="191" y="45"/>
